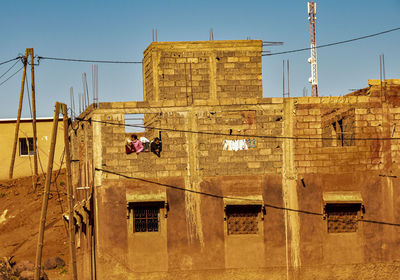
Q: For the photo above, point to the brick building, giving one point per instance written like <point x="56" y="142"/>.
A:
<point x="246" y="187"/>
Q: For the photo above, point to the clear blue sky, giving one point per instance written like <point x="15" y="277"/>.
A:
<point x="121" y="30"/>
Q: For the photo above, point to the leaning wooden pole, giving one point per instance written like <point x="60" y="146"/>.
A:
<point x="21" y="98"/>
<point x="46" y="192"/>
<point x="35" y="152"/>
<point x="69" y="194"/>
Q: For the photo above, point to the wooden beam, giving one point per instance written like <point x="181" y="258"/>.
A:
<point x="46" y="193"/>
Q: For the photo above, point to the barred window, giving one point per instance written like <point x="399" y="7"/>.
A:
<point x="342" y="217"/>
<point x="24" y="150"/>
<point x="146" y="218"/>
<point x="242" y="219"/>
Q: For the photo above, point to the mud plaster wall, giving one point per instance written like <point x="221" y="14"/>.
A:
<point x="192" y="254"/>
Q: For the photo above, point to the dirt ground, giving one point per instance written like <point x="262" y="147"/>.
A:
<point x="20" y="210"/>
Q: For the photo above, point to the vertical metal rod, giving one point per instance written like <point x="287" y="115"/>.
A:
<point x="380" y="67"/>
<point x="156" y="35"/>
<point x="35" y="156"/>
<point x="46" y="192"/>
<point x="69" y="194"/>
<point x="97" y="85"/>
<point x="153" y="34"/>
<point x="80" y="110"/>
<point x="288" y="79"/>
<point x="283" y="78"/>
<point x="383" y="67"/>
<point x="21" y="97"/>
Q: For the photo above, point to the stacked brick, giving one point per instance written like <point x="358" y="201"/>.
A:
<point x="239" y="74"/>
<point x="184" y="76"/>
<point x="264" y="155"/>
<point x="199" y="71"/>
<point x="333" y="132"/>
<point x="148" y="77"/>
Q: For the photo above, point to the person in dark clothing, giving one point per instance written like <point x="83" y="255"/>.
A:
<point x="156" y="146"/>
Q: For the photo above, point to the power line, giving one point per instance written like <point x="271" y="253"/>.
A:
<point x="335" y="43"/>
<point x="238" y="135"/>
<point x="11" y="76"/>
<point x="7" y="61"/>
<point x="244" y="199"/>
<point x="88" y="60"/>
<point x="9" y="69"/>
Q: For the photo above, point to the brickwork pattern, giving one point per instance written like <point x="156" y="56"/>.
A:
<point x="184" y="76"/>
<point x="238" y="74"/>
<point x="216" y="70"/>
<point x="318" y="155"/>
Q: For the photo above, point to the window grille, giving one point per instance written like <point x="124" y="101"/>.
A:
<point x="23" y="147"/>
<point x="242" y="219"/>
<point x="342" y="217"/>
<point x="146" y="218"/>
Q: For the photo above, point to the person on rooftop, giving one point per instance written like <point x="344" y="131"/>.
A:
<point x="156" y="146"/>
<point x="134" y="145"/>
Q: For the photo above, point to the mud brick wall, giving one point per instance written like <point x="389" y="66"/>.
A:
<point x="194" y="71"/>
<point x="323" y="119"/>
<point x="146" y="164"/>
<point x="148" y="77"/>
<point x="265" y="157"/>
<point x="184" y="75"/>
<point x="239" y="74"/>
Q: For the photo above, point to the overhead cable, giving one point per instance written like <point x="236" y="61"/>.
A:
<point x="240" y="135"/>
<point x="12" y="75"/>
<point x="9" y="69"/>
<point x="244" y="199"/>
<point x="335" y="43"/>
<point x="88" y="60"/>
<point x="7" y="61"/>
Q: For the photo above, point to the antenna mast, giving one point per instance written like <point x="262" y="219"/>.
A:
<point x="312" y="11"/>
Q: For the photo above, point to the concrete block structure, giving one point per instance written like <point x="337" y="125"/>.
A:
<point x="246" y="187"/>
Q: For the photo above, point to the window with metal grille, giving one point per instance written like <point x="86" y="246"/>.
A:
<point x="146" y="218"/>
<point x="342" y="217"/>
<point x="242" y="219"/>
<point x="24" y="150"/>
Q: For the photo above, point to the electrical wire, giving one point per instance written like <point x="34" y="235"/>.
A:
<point x="88" y="60"/>
<point x="9" y="69"/>
<point x="11" y="76"/>
<point x="238" y="135"/>
<point x="244" y="199"/>
<point x="335" y="43"/>
<point x="7" y="61"/>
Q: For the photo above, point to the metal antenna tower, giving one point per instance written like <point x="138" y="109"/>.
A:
<point x="312" y="11"/>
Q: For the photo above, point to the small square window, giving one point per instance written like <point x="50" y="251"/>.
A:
<point x="342" y="217"/>
<point x="146" y="218"/>
<point x="23" y="146"/>
<point x="242" y="219"/>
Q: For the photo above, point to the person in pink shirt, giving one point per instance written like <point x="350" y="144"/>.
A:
<point x="134" y="146"/>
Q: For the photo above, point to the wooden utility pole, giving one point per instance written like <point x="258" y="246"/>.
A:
<point x="47" y="190"/>
<point x="46" y="193"/>
<point x="35" y="153"/>
<point x="29" y="52"/>
<point x="69" y="194"/>
<point x="21" y="98"/>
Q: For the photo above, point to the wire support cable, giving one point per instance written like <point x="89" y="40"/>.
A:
<point x="240" y="135"/>
<point x="7" y="61"/>
<point x="267" y="205"/>
<point x="11" y="76"/>
<point x="87" y="60"/>
<point x="334" y="43"/>
<point x="9" y="69"/>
